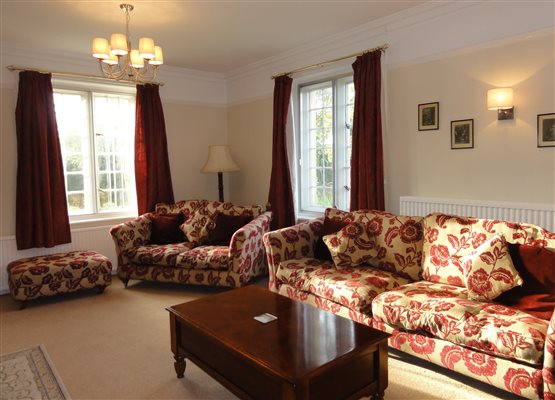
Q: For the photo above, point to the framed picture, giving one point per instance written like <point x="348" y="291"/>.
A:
<point x="462" y="134"/>
<point x="428" y="116"/>
<point x="546" y="130"/>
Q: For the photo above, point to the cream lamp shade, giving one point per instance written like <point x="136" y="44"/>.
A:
<point x="501" y="98"/>
<point x="219" y="160"/>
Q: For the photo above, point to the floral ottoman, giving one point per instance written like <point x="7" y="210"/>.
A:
<point x="53" y="274"/>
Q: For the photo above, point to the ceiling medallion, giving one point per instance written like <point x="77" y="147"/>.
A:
<point x="118" y="61"/>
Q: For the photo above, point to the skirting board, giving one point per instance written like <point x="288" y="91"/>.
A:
<point x="97" y="239"/>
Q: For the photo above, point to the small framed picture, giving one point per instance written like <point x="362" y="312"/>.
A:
<point x="546" y="130"/>
<point x="462" y="134"/>
<point x="428" y="116"/>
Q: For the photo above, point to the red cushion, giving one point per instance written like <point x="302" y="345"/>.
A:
<point x="165" y="228"/>
<point x="321" y="251"/>
<point x="536" y="266"/>
<point x="225" y="226"/>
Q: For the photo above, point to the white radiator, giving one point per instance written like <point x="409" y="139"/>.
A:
<point x="96" y="239"/>
<point x="542" y="215"/>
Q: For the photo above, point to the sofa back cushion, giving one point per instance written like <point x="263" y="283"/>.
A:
<point x="331" y="225"/>
<point x="165" y="228"/>
<point x="449" y="238"/>
<point x="200" y="216"/>
<point x="225" y="226"/>
<point x="397" y="239"/>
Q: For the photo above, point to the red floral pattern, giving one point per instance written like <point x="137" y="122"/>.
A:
<point x="489" y="270"/>
<point x="351" y="287"/>
<point x="443" y="311"/>
<point x="351" y="246"/>
<point x="139" y="260"/>
<point x="205" y="257"/>
<point x="53" y="274"/>
<point x="448" y="238"/>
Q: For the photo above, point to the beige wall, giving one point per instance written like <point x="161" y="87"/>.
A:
<point x="250" y="139"/>
<point x="505" y="164"/>
<point x="190" y="129"/>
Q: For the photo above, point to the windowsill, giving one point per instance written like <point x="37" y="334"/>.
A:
<point x="82" y="223"/>
<point x="308" y="215"/>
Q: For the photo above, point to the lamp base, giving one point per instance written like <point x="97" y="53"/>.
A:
<point x="221" y="186"/>
<point x="507" y="113"/>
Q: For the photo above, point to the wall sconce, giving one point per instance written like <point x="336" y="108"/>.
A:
<point x="501" y="100"/>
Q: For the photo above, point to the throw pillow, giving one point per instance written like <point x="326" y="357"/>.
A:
<point x="197" y="227"/>
<point x="489" y="270"/>
<point x="321" y="251"/>
<point x="225" y="226"/>
<point x="165" y="228"/>
<point x="351" y="246"/>
<point x="536" y="266"/>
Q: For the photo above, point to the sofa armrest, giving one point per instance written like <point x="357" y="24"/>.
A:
<point x="548" y="371"/>
<point x="290" y="243"/>
<point x="246" y="250"/>
<point x="133" y="233"/>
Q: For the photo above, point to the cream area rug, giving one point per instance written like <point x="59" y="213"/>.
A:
<point x="29" y="374"/>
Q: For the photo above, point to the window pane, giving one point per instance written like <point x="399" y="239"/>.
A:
<point x="76" y="201"/>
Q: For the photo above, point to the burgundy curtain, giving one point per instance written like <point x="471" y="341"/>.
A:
<point x="367" y="189"/>
<point x="41" y="218"/>
<point x="152" y="167"/>
<point x="281" y="193"/>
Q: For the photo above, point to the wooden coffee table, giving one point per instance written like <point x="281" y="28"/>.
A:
<point x="306" y="353"/>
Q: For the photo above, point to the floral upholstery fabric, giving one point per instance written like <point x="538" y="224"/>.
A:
<point x="448" y="238"/>
<point x="548" y="372"/>
<point x="521" y="379"/>
<point x="489" y="270"/>
<point x="157" y="254"/>
<point x="444" y="311"/>
<point x="354" y="288"/>
<point x="398" y="239"/>
<point x="290" y="243"/>
<point x="49" y="275"/>
<point x="202" y="218"/>
<point x="137" y="259"/>
<point x="351" y="246"/>
<point x="205" y="257"/>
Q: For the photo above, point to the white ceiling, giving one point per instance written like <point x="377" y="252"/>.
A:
<point x="213" y="36"/>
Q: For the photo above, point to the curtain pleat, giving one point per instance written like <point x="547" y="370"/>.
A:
<point x="152" y="167"/>
<point x="41" y="208"/>
<point x="367" y="182"/>
<point x="281" y="192"/>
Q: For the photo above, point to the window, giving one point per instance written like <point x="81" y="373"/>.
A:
<point x="96" y="131"/>
<point x="326" y="118"/>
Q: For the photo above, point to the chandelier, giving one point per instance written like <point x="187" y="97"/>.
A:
<point x="118" y="61"/>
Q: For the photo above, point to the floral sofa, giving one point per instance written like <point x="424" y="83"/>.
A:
<point x="191" y="258"/>
<point x="434" y="284"/>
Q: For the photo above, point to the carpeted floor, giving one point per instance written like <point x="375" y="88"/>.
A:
<point x="116" y="346"/>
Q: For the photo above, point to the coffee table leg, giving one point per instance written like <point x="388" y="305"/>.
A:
<point x="179" y="365"/>
<point x="377" y="396"/>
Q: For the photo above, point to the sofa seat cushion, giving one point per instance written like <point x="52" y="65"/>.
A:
<point x="353" y="287"/>
<point x="445" y="312"/>
<point x="205" y="257"/>
<point x="164" y="255"/>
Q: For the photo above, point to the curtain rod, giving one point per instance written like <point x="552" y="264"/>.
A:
<point x="324" y="63"/>
<point x="76" y="75"/>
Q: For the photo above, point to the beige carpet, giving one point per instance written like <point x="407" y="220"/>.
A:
<point x="29" y="374"/>
<point x="116" y="346"/>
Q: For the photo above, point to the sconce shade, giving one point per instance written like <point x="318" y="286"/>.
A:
<point x="501" y="98"/>
<point x="219" y="160"/>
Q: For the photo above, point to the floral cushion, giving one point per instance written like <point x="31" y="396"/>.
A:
<point x="489" y="270"/>
<point x="351" y="246"/>
<point x="157" y="254"/>
<point x="448" y="238"/>
<point x="197" y="228"/>
<point x="444" y="311"/>
<point x="351" y="287"/>
<point x="398" y="239"/>
<point x="205" y="257"/>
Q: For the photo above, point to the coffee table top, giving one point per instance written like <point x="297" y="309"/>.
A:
<point x="302" y="340"/>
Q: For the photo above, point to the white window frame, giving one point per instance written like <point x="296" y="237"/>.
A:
<point x="67" y="85"/>
<point x="338" y="77"/>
